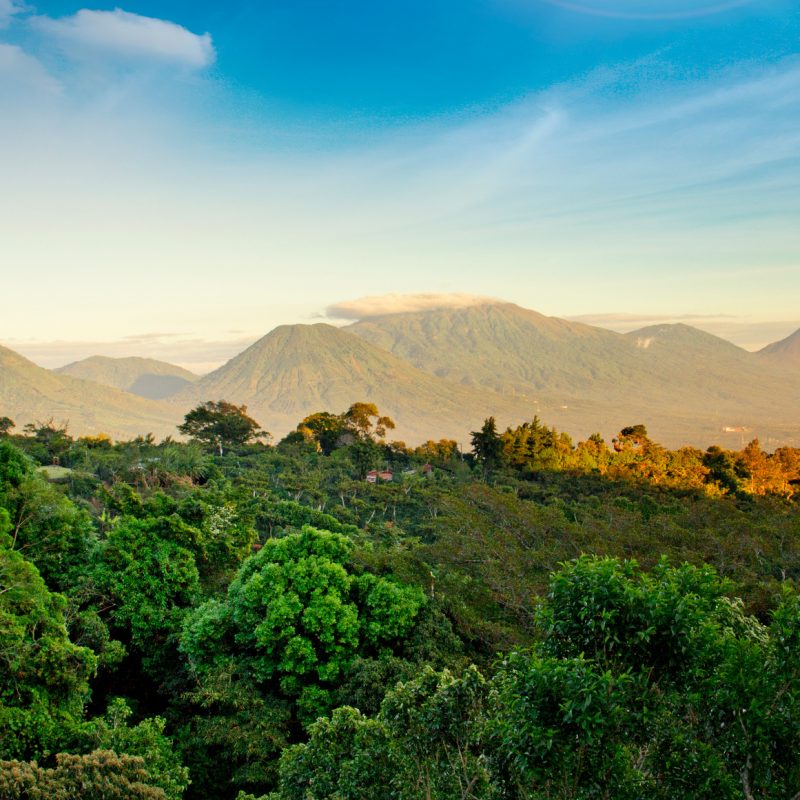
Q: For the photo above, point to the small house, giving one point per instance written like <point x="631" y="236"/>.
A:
<point x="373" y="476"/>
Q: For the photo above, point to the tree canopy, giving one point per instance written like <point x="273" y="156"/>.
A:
<point x="221" y="424"/>
<point x="180" y="623"/>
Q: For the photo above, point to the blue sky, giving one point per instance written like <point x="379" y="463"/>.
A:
<point x="181" y="177"/>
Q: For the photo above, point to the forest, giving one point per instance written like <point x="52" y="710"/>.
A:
<point x="338" y="616"/>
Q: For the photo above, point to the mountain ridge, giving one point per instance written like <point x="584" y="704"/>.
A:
<point x="296" y="370"/>
<point x="29" y="393"/>
<point x="441" y="372"/>
<point x="145" y="377"/>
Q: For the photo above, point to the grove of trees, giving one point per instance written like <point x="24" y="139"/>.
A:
<point x="225" y="618"/>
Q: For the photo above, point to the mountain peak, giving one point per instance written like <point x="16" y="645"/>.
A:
<point x="681" y="335"/>
<point x="296" y="370"/>
<point x="145" y="377"/>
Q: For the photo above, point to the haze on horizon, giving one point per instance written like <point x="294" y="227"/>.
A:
<point x="179" y="178"/>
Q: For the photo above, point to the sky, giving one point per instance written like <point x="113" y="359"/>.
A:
<point x="178" y="178"/>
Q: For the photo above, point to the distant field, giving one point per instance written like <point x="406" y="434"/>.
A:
<point x="54" y="473"/>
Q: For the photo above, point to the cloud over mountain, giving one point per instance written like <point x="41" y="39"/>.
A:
<point x="380" y="305"/>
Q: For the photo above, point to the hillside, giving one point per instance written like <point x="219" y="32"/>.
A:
<point x="298" y="369"/>
<point x="504" y="347"/>
<point x="785" y="353"/>
<point x="686" y="384"/>
<point x="440" y="374"/>
<point x="145" y="377"/>
<point x="29" y="393"/>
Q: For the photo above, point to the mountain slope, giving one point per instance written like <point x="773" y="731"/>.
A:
<point x="686" y="384"/>
<point x="298" y="369"/>
<point x="504" y="347"/>
<point x="145" y="377"/>
<point x="29" y="393"/>
<point x="784" y="353"/>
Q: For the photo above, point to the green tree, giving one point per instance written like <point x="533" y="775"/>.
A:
<point x="347" y="757"/>
<point x="44" y="677"/>
<point x="6" y="424"/>
<point x="424" y="744"/>
<point x="299" y="618"/>
<point x="294" y="621"/>
<point x="487" y="445"/>
<point x="148" y="580"/>
<point x="726" y="470"/>
<point x="46" y="527"/>
<point x="145" y="740"/>
<point x="221" y="424"/>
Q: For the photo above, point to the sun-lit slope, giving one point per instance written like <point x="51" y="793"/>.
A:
<point x="29" y="393"/>
<point x="298" y="369"/>
<point x="145" y="377"/>
<point x="785" y="353"/>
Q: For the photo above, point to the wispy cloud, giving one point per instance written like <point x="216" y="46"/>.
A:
<point x="625" y="319"/>
<point x="652" y="11"/>
<point x="21" y="73"/>
<point x="122" y="35"/>
<point x="379" y="305"/>
<point x="629" y="182"/>
<point x="9" y="9"/>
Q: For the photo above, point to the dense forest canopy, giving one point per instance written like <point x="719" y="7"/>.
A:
<point x="338" y="615"/>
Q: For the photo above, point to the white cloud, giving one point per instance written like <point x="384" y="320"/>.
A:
<point x="8" y="8"/>
<point x="378" y="305"/>
<point x="122" y="34"/>
<point x="21" y="73"/>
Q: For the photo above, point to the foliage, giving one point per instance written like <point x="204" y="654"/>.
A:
<point x="487" y="445"/>
<point x="221" y="424"/>
<point x="261" y="654"/>
<point x="297" y="617"/>
<point x="100" y="775"/>
<point x="145" y="740"/>
<point x="44" y="678"/>
<point x="425" y="743"/>
<point x="148" y="577"/>
<point x="45" y="526"/>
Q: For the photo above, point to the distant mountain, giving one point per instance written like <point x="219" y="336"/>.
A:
<point x="145" y="377"/>
<point x="298" y="369"/>
<point x="506" y="348"/>
<point x="687" y="385"/>
<point x="29" y="393"/>
<point x="785" y="353"/>
<point x="440" y="373"/>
